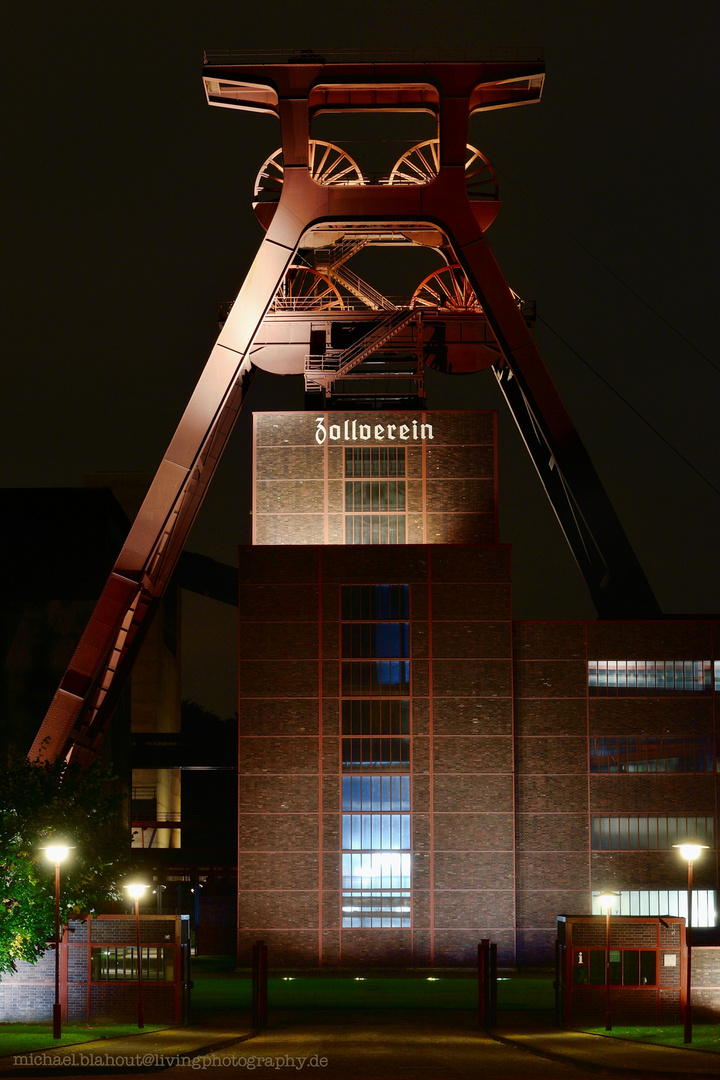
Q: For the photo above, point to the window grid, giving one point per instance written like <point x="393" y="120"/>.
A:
<point x="375" y="602"/>
<point x="372" y="677"/>
<point x="375" y="461"/>
<point x="664" y="902"/>
<point x="652" y="754"/>
<point x="621" y="677"/>
<point x="374" y="496"/>
<point x="628" y="967"/>
<point x="375" y="509"/>
<point x="376" y="823"/>
<point x="381" y="716"/>
<point x="652" y="833"/>
<point x="118" y="963"/>
<point x="375" y="529"/>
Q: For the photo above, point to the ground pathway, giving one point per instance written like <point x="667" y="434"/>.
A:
<point x="346" y="1044"/>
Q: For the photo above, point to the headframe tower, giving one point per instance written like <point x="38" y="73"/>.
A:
<point x="318" y="210"/>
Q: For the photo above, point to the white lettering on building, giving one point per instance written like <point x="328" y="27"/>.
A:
<point x="351" y="431"/>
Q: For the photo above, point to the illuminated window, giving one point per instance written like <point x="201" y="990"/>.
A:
<point x="376" y="824"/>
<point x="375" y="495"/>
<point x="634" y="833"/>
<point x="119" y="963"/>
<point x="664" y="902"/>
<point x="631" y="677"/>
<point x="387" y="641"/>
<point x="652" y="754"/>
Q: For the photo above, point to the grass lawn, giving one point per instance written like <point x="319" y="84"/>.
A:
<point x="705" y="1036"/>
<point x="26" y="1038"/>
<point x="217" y="987"/>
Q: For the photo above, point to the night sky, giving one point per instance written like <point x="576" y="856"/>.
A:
<point x="128" y="218"/>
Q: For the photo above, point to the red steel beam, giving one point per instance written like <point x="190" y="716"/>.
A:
<point x="83" y="704"/>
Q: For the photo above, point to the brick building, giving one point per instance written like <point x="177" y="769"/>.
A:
<point x="98" y="975"/>
<point x="417" y="770"/>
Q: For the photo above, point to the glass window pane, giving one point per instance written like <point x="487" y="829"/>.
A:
<point x="631" y="967"/>
<point x="648" y="967"/>
<point x="596" y="973"/>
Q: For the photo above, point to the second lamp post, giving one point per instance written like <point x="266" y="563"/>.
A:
<point x="136" y="890"/>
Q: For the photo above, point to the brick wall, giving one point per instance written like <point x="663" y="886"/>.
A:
<point x="556" y="795"/>
<point x="550" y="750"/>
<point x="461" y="759"/>
<point x="706" y="983"/>
<point x="450" y="477"/>
<point x="502" y="796"/>
<point x="29" y="994"/>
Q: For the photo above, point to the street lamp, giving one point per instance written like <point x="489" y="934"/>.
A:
<point x="689" y="850"/>
<point x="607" y="903"/>
<point x="136" y="890"/>
<point x="56" y="853"/>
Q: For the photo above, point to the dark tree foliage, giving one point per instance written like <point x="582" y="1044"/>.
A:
<point x="39" y="804"/>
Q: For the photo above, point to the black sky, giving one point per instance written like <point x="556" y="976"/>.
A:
<point x="128" y="218"/>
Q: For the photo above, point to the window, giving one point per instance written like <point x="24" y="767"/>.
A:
<point x="375" y="734"/>
<point x="628" y="967"/>
<point x="627" y="677"/>
<point x="665" y="902"/>
<point x="375" y="602"/>
<point x="634" y="833"/>
<point x="375" y="826"/>
<point x="375" y="504"/>
<point x="652" y="754"/>
<point x="387" y="641"/>
<point x="119" y="963"/>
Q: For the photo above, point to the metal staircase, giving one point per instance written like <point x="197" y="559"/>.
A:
<point x="331" y="261"/>
<point x="321" y="371"/>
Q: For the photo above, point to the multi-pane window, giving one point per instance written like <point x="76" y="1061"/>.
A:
<point x="628" y="967"/>
<point x="652" y="833"/>
<point x="375" y="495"/>
<point x="652" y="754"/>
<point x="119" y="963"/>
<point x="376" y="860"/>
<point x="664" y="902"/>
<point x="375" y="602"/>
<point x="384" y="639"/>
<point x="376" y="734"/>
<point x="630" y="677"/>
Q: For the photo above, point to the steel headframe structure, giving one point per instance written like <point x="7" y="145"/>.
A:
<point x="312" y="196"/>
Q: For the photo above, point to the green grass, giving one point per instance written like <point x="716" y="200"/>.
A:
<point x="217" y="987"/>
<point x="26" y="1038"/>
<point x="705" y="1036"/>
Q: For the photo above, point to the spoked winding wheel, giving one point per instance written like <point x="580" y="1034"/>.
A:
<point x="328" y="165"/>
<point x="446" y="288"/>
<point x="305" y="290"/>
<point x="422" y="163"/>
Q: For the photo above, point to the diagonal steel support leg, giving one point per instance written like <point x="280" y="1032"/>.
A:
<point x="617" y="584"/>
<point x="83" y="704"/>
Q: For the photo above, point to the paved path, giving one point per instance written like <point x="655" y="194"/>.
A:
<point x="344" y="1045"/>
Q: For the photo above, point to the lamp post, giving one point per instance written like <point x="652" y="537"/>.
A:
<point x="136" y="890"/>
<point x="607" y="903"/>
<point x="690" y="851"/>
<point x="56" y="853"/>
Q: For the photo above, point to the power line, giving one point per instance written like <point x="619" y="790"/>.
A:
<point x="613" y="274"/>
<point x="629" y="405"/>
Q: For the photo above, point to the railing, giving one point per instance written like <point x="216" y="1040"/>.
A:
<point x="491" y="54"/>
<point x="360" y="288"/>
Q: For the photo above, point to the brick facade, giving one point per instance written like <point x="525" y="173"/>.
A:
<point x="29" y="993"/>
<point x="502" y="795"/>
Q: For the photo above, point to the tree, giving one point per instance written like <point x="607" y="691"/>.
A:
<point x="41" y="802"/>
